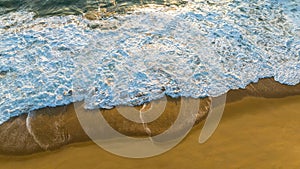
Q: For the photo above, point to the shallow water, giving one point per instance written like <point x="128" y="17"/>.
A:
<point x="254" y="133"/>
<point x="204" y="48"/>
<point x="69" y="7"/>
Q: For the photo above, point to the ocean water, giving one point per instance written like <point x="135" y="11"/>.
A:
<point x="203" y="48"/>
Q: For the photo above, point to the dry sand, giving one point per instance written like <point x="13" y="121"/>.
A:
<point x="253" y="133"/>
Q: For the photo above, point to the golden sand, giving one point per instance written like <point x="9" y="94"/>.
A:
<point x="253" y="133"/>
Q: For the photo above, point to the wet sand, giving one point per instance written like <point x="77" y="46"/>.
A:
<point x="253" y="133"/>
<point x="54" y="127"/>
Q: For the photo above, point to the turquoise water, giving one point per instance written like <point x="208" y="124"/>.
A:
<point x="204" y="48"/>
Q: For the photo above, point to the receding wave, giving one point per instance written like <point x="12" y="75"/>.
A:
<point x="202" y="49"/>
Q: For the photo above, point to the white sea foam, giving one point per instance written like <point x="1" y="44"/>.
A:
<point x="203" y="49"/>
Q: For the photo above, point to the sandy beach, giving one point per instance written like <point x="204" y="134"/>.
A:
<point x="253" y="133"/>
<point x="65" y="65"/>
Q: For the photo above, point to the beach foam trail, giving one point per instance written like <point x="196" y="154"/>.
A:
<point x="203" y="49"/>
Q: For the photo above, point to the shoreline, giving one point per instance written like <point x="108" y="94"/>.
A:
<point x="253" y="133"/>
<point x="52" y="128"/>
